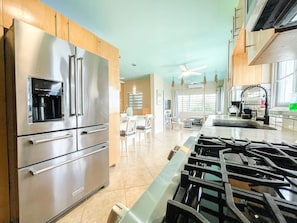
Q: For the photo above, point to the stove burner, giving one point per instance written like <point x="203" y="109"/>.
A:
<point x="233" y="180"/>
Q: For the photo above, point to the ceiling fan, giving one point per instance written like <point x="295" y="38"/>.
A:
<point x="187" y="72"/>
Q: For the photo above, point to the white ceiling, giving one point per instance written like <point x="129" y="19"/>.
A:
<point x="156" y="36"/>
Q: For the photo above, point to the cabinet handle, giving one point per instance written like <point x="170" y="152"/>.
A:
<point x="36" y="172"/>
<point x="234" y="23"/>
<point x="38" y="141"/>
<point x="246" y="46"/>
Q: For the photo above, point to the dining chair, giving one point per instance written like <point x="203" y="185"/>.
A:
<point x="146" y="128"/>
<point x="129" y="132"/>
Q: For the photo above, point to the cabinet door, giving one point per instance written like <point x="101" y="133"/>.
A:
<point x="82" y="38"/>
<point x="270" y="46"/>
<point x="62" y="27"/>
<point x="1" y="13"/>
<point x="257" y="43"/>
<point x="33" y="12"/>
<point x="244" y="74"/>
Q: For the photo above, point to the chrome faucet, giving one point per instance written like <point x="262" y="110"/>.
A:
<point x="266" y="116"/>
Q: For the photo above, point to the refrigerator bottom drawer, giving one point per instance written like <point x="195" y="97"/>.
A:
<point x="47" y="191"/>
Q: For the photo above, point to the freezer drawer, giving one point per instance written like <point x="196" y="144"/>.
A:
<point x="92" y="136"/>
<point x="49" y="188"/>
<point x="37" y="148"/>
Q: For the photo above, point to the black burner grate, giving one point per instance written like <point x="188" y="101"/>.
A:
<point x="230" y="180"/>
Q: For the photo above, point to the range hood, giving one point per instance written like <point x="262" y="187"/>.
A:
<point x="266" y="14"/>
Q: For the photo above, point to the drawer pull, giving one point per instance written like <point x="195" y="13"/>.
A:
<point x="94" y="131"/>
<point x="36" y="172"/>
<point x="38" y="141"/>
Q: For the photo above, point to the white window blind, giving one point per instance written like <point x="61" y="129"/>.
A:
<point x="135" y="100"/>
<point x="195" y="103"/>
<point x="286" y="81"/>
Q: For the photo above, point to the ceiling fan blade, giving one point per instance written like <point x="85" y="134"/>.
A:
<point x="198" y="68"/>
<point x="183" y="68"/>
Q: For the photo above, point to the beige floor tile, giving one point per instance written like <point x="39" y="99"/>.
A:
<point x="138" y="166"/>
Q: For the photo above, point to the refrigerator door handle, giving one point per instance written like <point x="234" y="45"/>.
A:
<point x="36" y="172"/>
<point x="72" y="84"/>
<point x="94" y="131"/>
<point x="80" y="70"/>
<point x="38" y="141"/>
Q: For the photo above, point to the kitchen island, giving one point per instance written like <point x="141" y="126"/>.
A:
<point x="277" y="136"/>
<point x="218" y="167"/>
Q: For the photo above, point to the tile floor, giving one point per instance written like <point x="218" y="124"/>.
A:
<point x="137" y="168"/>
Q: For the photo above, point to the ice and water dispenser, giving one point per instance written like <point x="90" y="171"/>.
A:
<point x="45" y="100"/>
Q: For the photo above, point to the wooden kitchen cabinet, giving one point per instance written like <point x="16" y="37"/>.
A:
<point x="270" y="46"/>
<point x="83" y="38"/>
<point x="242" y="73"/>
<point x="62" y="27"/>
<point x="1" y="13"/>
<point x="33" y="12"/>
<point x="4" y="184"/>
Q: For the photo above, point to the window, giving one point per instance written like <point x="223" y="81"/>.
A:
<point x="195" y="103"/>
<point x="285" y="82"/>
<point x="135" y="100"/>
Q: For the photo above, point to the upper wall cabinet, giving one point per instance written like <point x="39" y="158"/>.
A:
<point x="81" y="37"/>
<point x="31" y="11"/>
<point x="242" y="74"/>
<point x="270" y="46"/>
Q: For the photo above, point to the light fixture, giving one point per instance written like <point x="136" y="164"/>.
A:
<point x="216" y="79"/>
<point x="204" y="80"/>
<point x="182" y="81"/>
<point x="134" y="89"/>
<point x="172" y="83"/>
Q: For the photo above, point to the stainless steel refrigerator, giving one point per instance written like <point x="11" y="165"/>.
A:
<point x="57" y="105"/>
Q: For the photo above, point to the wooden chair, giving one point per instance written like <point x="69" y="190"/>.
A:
<point x="146" y="128"/>
<point x="129" y="132"/>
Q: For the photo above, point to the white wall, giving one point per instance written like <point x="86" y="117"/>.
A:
<point x="157" y="84"/>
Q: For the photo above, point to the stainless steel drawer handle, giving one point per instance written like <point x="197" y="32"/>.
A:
<point x="94" y="131"/>
<point x="38" y="141"/>
<point x="36" y="172"/>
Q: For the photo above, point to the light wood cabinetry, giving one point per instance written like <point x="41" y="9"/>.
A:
<point x="270" y="46"/>
<point x="83" y="38"/>
<point x="33" y="12"/>
<point x="1" y="13"/>
<point x="106" y="50"/>
<point x="62" y="27"/>
<point x="242" y="73"/>
<point x="4" y="185"/>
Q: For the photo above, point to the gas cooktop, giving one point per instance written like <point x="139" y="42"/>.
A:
<point x="233" y="180"/>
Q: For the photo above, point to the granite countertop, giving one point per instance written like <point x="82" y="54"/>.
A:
<point x="275" y="136"/>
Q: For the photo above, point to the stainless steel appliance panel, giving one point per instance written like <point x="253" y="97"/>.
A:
<point x="51" y="187"/>
<point x="40" y="55"/>
<point x="91" y="136"/>
<point x="37" y="148"/>
<point x="92" y="89"/>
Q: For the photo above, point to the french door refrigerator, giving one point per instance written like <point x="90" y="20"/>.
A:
<point x="57" y="105"/>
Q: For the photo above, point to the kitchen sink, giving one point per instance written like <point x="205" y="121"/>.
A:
<point x="240" y="124"/>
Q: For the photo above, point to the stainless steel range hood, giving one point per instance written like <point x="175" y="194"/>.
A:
<point x="266" y="14"/>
